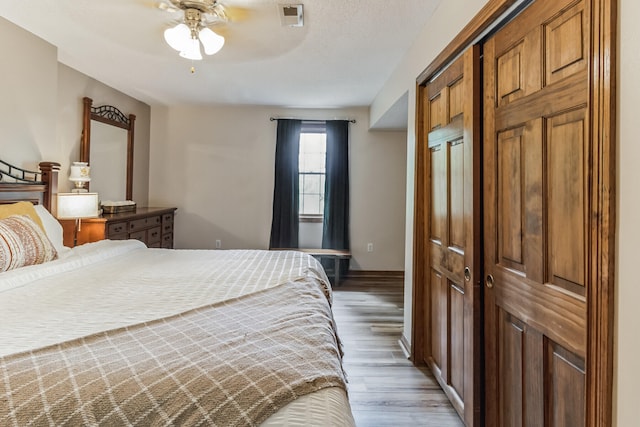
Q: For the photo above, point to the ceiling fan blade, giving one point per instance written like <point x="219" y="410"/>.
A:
<point x="233" y="13"/>
<point x="163" y="5"/>
<point x="221" y="30"/>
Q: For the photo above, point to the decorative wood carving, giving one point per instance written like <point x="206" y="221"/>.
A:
<point x="34" y="186"/>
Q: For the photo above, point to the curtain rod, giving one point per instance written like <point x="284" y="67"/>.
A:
<point x="273" y="119"/>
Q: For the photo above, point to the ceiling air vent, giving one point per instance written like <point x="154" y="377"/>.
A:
<point x="291" y="15"/>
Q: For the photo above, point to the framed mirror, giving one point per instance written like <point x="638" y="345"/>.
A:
<point x="107" y="145"/>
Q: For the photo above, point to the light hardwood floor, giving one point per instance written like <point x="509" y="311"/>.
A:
<point x="385" y="389"/>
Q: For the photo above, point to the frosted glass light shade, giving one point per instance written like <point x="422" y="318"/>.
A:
<point x="192" y="50"/>
<point x="178" y="37"/>
<point x="211" y="41"/>
<point x="77" y="205"/>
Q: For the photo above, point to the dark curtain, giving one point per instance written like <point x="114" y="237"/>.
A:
<point x="335" y="233"/>
<point x="284" y="223"/>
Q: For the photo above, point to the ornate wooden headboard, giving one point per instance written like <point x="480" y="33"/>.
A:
<point x="17" y="184"/>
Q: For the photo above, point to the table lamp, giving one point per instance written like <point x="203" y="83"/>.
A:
<point x="77" y="206"/>
<point x="79" y="174"/>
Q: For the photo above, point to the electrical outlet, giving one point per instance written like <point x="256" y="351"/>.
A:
<point x="218" y="244"/>
<point x="369" y="247"/>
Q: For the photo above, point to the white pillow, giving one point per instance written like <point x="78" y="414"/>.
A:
<point x="53" y="229"/>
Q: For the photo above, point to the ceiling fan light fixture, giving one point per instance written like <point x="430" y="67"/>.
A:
<point x="192" y="50"/>
<point x="211" y="41"/>
<point x="178" y="37"/>
<point x="187" y="36"/>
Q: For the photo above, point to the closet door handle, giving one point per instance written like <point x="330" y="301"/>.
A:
<point x="490" y="281"/>
<point x="467" y="274"/>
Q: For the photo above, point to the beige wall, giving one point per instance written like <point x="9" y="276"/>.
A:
<point x="451" y="16"/>
<point x="41" y="108"/>
<point x="216" y="164"/>
<point x="28" y="88"/>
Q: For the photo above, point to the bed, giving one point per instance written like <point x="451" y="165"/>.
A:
<point x="114" y="333"/>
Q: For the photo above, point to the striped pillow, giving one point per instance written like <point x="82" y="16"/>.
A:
<point x="22" y="243"/>
<point x="20" y="208"/>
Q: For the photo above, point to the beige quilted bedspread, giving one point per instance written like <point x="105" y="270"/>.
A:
<point x="233" y="363"/>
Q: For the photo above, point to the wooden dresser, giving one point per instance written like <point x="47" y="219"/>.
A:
<point x="153" y="226"/>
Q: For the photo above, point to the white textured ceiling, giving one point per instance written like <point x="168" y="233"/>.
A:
<point x="342" y="56"/>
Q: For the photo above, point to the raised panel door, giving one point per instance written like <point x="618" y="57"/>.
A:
<point x="536" y="198"/>
<point x="452" y="288"/>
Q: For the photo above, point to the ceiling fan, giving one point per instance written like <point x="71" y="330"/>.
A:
<point x="213" y="9"/>
<point x="193" y="28"/>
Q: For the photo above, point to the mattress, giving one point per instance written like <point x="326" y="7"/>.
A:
<point x="112" y="284"/>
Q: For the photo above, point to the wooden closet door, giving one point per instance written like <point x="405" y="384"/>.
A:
<point x="452" y="336"/>
<point x="538" y="157"/>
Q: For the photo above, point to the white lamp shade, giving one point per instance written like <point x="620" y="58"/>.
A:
<point x="178" y="37"/>
<point x="211" y="41"/>
<point x="77" y="205"/>
<point x="192" y="51"/>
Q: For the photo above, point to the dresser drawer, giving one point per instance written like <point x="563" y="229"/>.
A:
<point x="167" y="218"/>
<point x="122" y="236"/>
<point x="167" y="241"/>
<point x="116" y="228"/>
<point x="139" y="235"/>
<point x="167" y="228"/>
<point x="154" y="235"/>
<point x="143" y="223"/>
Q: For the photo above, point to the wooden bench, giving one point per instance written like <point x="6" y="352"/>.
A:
<point x="335" y="254"/>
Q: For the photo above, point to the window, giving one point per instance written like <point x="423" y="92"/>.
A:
<point x="311" y="171"/>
